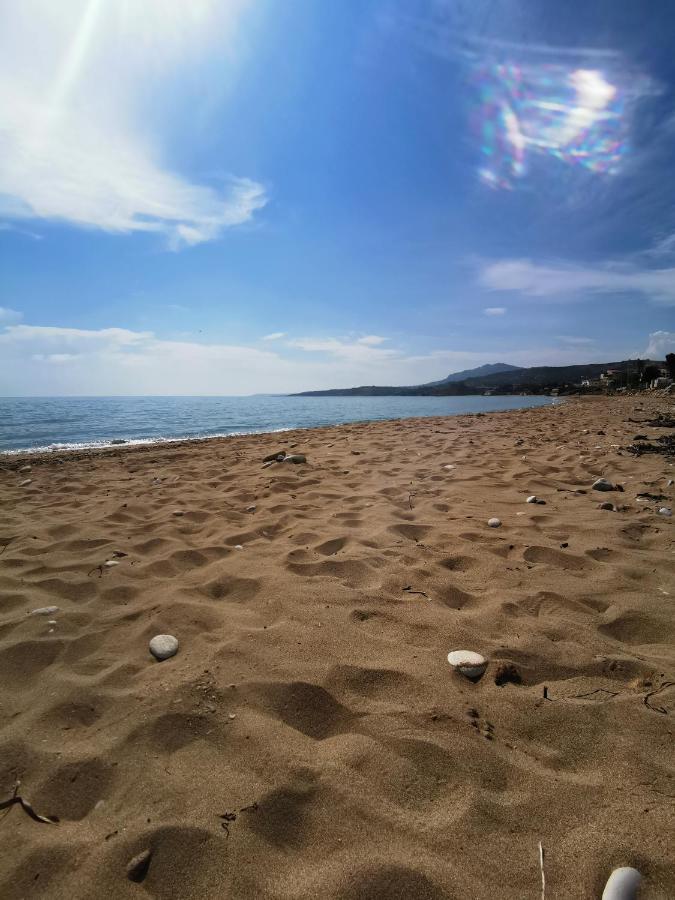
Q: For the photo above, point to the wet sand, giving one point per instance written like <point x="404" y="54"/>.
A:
<point x="309" y="739"/>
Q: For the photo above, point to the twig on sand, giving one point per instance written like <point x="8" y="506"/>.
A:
<point x="409" y="590"/>
<point x="658" y="709"/>
<point x="541" y="869"/>
<point x="27" y="808"/>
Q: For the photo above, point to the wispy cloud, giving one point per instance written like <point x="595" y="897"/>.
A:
<point x="660" y="343"/>
<point x="9" y="316"/>
<point x="372" y="340"/>
<point x="495" y="311"/>
<point x="535" y="280"/>
<point x="76" y="80"/>
<point x="275" y="336"/>
<point x="574" y="341"/>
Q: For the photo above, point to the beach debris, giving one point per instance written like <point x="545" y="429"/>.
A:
<point x="468" y="663"/>
<point x="494" y="522"/>
<point x="27" y="807"/>
<point x="623" y="884"/>
<point x="137" y="868"/>
<point x="535" y="499"/>
<point x="664" y="445"/>
<point x="275" y="457"/>
<point x="409" y="590"/>
<point x="25" y="482"/>
<point x="507" y="673"/>
<point x="163" y="646"/>
<point x="659" y="709"/>
<point x="25" y="468"/>
<point x="44" y="611"/>
<point x="541" y="869"/>
<point x="665" y="511"/>
<point x="607" y="505"/>
<point x="295" y="458"/>
<point x="449" y="467"/>
<point x="602" y="484"/>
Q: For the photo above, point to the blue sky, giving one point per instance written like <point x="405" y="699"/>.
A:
<point x="219" y="198"/>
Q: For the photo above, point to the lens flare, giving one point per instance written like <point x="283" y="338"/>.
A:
<point x="575" y="115"/>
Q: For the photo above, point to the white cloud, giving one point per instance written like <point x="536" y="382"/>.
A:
<point x="275" y="336"/>
<point x="660" y="343"/>
<point x="575" y="341"/>
<point x="8" y="316"/>
<point x="80" y="85"/>
<point x="50" y="360"/>
<point x="495" y="311"/>
<point x="536" y="280"/>
<point x="372" y="340"/>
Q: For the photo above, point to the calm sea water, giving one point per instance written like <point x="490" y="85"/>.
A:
<point x="59" y="423"/>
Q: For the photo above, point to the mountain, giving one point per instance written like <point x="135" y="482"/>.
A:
<point x="500" y="377"/>
<point x="480" y="371"/>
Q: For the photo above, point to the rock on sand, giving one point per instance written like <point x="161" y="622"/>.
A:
<point x="163" y="646"/>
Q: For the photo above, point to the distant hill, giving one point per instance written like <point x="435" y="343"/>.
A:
<point x="479" y="372"/>
<point x="499" y="377"/>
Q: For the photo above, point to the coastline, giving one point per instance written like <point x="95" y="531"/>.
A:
<point x="309" y="738"/>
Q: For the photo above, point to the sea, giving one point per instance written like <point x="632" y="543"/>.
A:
<point x="67" y="423"/>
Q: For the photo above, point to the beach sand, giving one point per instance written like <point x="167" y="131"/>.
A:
<point x="309" y="739"/>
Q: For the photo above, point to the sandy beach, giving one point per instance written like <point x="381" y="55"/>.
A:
<point x="309" y="738"/>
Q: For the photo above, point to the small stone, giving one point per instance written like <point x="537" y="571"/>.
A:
<point x="25" y="482"/>
<point x="449" y="467"/>
<point x="25" y="468"/>
<point x="116" y="441"/>
<point x="670" y="482"/>
<point x="275" y="457"/>
<point x="238" y="547"/>
<point x="178" y="512"/>
<point x="44" y="611"/>
<point x="295" y="458"/>
<point x="623" y="884"/>
<point x="665" y="511"/>
<point x="52" y="622"/>
<point x="607" y="505"/>
<point x="468" y="663"/>
<point x="494" y="523"/>
<point x="251" y="508"/>
<point x="602" y="484"/>
<point x="110" y="563"/>
<point x="232" y="716"/>
<point x="163" y="646"/>
<point x="137" y="868"/>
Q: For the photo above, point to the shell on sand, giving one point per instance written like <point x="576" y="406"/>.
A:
<point x="467" y="663"/>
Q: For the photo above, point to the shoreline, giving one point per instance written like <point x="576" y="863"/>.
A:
<point x="309" y="737"/>
<point x="106" y="443"/>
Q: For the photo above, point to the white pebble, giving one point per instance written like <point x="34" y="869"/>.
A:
<point x="25" y="468"/>
<point x="449" y="467"/>
<point x="467" y="663"/>
<point x="623" y="884"/>
<point x="162" y="646"/>
<point x="494" y="523"/>
<point x="110" y="563"/>
<point x="238" y="547"/>
<point x="44" y="611"/>
<point x="25" y="482"/>
<point x="52" y="622"/>
<point x="665" y="511"/>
